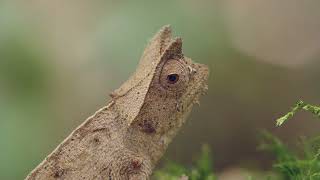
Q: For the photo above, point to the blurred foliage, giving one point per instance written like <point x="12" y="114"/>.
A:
<point x="22" y="70"/>
<point x="202" y="170"/>
<point x="289" y="165"/>
<point x="23" y="104"/>
<point x="24" y="95"/>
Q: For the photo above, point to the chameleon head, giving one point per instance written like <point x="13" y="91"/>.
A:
<point x="158" y="97"/>
<point x="176" y="85"/>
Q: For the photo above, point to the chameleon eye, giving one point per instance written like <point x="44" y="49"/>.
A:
<point x="174" y="75"/>
<point x="172" y="78"/>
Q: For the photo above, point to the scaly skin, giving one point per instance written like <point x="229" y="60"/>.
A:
<point x="126" y="138"/>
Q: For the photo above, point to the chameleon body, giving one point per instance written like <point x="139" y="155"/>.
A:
<point x="125" y="139"/>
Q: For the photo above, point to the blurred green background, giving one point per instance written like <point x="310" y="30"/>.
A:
<point x="59" y="60"/>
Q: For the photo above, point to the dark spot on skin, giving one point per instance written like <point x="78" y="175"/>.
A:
<point x="58" y="173"/>
<point x="96" y="140"/>
<point x="138" y="92"/>
<point x="147" y="127"/>
<point x="136" y="164"/>
<point x="100" y="129"/>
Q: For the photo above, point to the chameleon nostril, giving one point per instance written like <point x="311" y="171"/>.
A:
<point x="192" y="70"/>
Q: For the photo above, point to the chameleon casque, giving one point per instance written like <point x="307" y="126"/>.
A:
<point x="125" y="139"/>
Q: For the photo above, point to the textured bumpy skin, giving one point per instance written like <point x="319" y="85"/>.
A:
<point x="125" y="139"/>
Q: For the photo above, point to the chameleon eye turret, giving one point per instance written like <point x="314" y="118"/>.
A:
<point x="174" y="75"/>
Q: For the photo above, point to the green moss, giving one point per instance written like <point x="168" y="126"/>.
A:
<point x="294" y="165"/>
<point x="291" y="165"/>
<point x="288" y="164"/>
<point x="202" y="170"/>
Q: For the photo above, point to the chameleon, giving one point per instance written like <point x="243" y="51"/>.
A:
<point x="125" y="139"/>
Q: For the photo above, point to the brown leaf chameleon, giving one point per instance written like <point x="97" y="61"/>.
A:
<point x="126" y="138"/>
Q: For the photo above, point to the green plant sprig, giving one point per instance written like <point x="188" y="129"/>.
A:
<point x="300" y="105"/>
